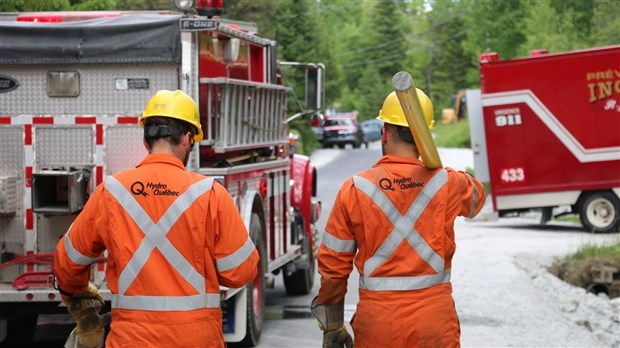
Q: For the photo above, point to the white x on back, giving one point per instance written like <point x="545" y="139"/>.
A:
<point x="403" y="229"/>
<point x="155" y="237"/>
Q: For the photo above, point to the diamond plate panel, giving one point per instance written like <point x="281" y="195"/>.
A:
<point x="50" y="229"/>
<point x="12" y="230"/>
<point x="124" y="148"/>
<point x="98" y="91"/>
<point x="63" y="146"/>
<point x="12" y="154"/>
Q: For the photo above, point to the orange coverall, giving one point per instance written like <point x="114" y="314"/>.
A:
<point x="173" y="237"/>
<point x="395" y="221"/>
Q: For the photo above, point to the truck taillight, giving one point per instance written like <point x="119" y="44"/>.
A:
<point x="262" y="188"/>
<point x="210" y="8"/>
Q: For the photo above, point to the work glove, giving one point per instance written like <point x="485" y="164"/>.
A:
<point x="84" y="307"/>
<point x="331" y="320"/>
<point x="338" y="338"/>
<point x="74" y="341"/>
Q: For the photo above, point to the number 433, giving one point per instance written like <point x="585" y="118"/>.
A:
<point x="509" y="175"/>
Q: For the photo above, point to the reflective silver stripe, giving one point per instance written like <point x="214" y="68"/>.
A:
<point x="235" y="259"/>
<point x="403" y="229"/>
<point x="475" y="198"/>
<point x="166" y="303"/>
<point x="155" y="234"/>
<point x="75" y="255"/>
<point x="403" y="224"/>
<point x="404" y="283"/>
<point x="337" y="244"/>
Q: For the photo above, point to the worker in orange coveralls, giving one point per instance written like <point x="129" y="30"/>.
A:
<point x="172" y="236"/>
<point x="395" y="221"/>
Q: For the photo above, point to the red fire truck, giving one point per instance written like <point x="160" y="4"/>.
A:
<point x="72" y="87"/>
<point x="546" y="133"/>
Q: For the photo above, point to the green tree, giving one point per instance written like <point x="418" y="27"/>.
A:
<point x="605" y="24"/>
<point x="548" y="29"/>
<point x="34" y="5"/>
<point x="144" y="5"/>
<point x="345" y="21"/>
<point x="259" y="12"/>
<point x="300" y="39"/>
<point x="449" y="61"/>
<point x="372" y="51"/>
<point x="56" y="5"/>
<point x="92" y="5"/>
<point x="418" y="60"/>
<point x="579" y="13"/>
<point x="492" y="26"/>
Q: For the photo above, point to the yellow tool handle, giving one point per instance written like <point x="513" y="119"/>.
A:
<point x="406" y="92"/>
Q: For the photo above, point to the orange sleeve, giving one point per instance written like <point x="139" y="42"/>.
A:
<point x="337" y="249"/>
<point x="236" y="257"/>
<point x="81" y="245"/>
<point x="467" y="195"/>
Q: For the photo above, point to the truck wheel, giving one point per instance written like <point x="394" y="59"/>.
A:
<point x="256" y="289"/>
<point x="600" y="211"/>
<point x="20" y="331"/>
<point x="301" y="281"/>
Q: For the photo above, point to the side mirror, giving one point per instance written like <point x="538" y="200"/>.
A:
<point x="314" y="86"/>
<point x="317" y="119"/>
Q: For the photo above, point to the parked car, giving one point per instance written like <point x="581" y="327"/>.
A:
<point x="341" y="129"/>
<point x="371" y="130"/>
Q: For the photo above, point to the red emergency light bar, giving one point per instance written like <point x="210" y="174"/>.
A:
<point x="538" y="52"/>
<point x="210" y="8"/>
<point x="488" y="57"/>
<point x="55" y="17"/>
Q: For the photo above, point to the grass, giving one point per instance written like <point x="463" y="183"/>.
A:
<point x="576" y="268"/>
<point x="572" y="218"/>
<point x="588" y="251"/>
<point x="454" y="135"/>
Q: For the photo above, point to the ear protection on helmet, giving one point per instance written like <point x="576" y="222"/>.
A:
<point x="158" y="131"/>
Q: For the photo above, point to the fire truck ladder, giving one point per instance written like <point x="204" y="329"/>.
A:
<point x="242" y="114"/>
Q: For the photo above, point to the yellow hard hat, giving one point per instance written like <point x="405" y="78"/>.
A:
<point x="173" y="104"/>
<point x="392" y="112"/>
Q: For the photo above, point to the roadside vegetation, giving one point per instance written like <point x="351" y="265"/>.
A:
<point x="594" y="268"/>
<point x="455" y="135"/>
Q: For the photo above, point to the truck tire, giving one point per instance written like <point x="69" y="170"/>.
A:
<point x="20" y="331"/>
<point x="256" y="289"/>
<point x="600" y="211"/>
<point x="301" y="281"/>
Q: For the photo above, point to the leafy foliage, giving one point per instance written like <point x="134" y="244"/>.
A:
<point x="364" y="43"/>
